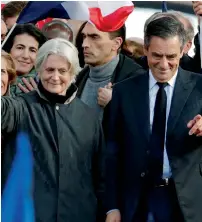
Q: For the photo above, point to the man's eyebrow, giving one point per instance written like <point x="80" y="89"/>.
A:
<point x="156" y="53"/>
<point x="90" y="34"/>
<point x="32" y="47"/>
<point x="20" y="44"/>
<point x="172" y="55"/>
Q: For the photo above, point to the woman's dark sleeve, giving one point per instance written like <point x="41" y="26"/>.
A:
<point x="11" y="113"/>
<point x="99" y="170"/>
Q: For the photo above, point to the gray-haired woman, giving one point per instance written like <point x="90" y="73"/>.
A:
<point x="65" y="135"/>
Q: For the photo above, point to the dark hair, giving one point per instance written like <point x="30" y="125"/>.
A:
<point x="78" y="44"/>
<point x="165" y="27"/>
<point x="13" y="8"/>
<point x="57" y="26"/>
<point x="119" y="33"/>
<point x="29" y="29"/>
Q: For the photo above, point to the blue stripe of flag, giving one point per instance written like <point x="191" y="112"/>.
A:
<point x="39" y="10"/>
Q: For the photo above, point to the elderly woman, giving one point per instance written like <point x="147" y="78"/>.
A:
<point x="8" y="73"/>
<point x="65" y="136"/>
<point x="23" y="45"/>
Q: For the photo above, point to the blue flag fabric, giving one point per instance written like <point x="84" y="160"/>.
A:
<point x="17" y="203"/>
<point x="39" y="10"/>
<point x="164" y="6"/>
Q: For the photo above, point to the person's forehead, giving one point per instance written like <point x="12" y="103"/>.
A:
<point x="56" y="60"/>
<point x="26" y="39"/>
<point x="155" y="40"/>
<point x="166" y="47"/>
<point x="91" y="29"/>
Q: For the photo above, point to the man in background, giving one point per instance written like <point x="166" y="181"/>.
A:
<point x="11" y="11"/>
<point x="105" y="66"/>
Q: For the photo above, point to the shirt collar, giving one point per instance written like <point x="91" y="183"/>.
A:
<point x="152" y="80"/>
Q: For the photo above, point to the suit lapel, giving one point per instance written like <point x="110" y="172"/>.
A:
<point x="140" y="97"/>
<point x="182" y="90"/>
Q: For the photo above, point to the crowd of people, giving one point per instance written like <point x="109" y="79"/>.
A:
<point x="115" y="124"/>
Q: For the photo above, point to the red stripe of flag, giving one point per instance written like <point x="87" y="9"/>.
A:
<point x="111" y="22"/>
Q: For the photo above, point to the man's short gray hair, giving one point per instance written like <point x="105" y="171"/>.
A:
<point x="59" y="47"/>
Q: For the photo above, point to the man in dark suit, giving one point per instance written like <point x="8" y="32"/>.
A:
<point x="154" y="143"/>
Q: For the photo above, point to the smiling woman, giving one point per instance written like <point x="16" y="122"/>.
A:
<point x="23" y="45"/>
<point x="65" y="136"/>
<point x="57" y="67"/>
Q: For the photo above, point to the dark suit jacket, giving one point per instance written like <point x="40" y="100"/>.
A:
<point x="128" y="144"/>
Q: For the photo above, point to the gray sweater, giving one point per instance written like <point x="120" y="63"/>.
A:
<point x="99" y="76"/>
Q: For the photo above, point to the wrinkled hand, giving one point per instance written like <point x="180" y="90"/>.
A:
<point x="29" y="85"/>
<point x="105" y="95"/>
<point x="197" y="7"/>
<point x="114" y="216"/>
<point x="195" y="126"/>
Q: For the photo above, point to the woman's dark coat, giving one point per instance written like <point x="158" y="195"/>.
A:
<point x="68" y="149"/>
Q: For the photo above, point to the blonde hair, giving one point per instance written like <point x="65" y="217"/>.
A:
<point x="10" y="66"/>
<point x="59" y="47"/>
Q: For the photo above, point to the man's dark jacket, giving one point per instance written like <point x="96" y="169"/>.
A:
<point x="129" y="151"/>
<point x="68" y="150"/>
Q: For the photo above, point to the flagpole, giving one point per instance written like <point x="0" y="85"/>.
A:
<point x="164" y="6"/>
<point x="7" y="36"/>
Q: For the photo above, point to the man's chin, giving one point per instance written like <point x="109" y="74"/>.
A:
<point x="89" y="62"/>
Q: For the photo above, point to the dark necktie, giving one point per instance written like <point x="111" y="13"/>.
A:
<point x="158" y="134"/>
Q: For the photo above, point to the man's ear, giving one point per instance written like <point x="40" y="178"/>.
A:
<point x="187" y="47"/>
<point x="117" y="43"/>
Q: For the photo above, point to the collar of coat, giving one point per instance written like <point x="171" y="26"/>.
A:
<point x="71" y="94"/>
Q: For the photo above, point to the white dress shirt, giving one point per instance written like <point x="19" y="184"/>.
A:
<point x="153" y="89"/>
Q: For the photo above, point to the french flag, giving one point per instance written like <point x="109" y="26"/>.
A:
<point x="105" y="15"/>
